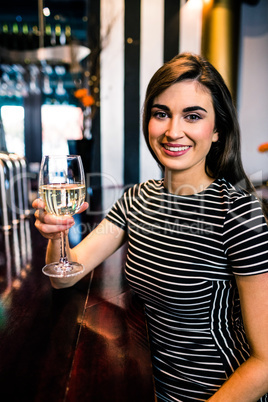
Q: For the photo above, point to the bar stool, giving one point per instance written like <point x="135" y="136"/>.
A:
<point x="6" y="218"/>
<point x="26" y="211"/>
<point x="5" y="222"/>
<point x="20" y="185"/>
<point x="17" y="185"/>
<point x="13" y="212"/>
<point x="25" y="186"/>
<point x="9" y="188"/>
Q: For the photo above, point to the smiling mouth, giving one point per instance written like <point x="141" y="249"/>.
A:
<point x="176" y="149"/>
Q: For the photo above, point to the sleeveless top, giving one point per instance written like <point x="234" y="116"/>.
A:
<point x="183" y="253"/>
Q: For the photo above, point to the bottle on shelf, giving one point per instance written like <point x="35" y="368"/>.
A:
<point x="57" y="34"/>
<point x="25" y="41"/>
<point x="47" y="38"/>
<point x="62" y="38"/>
<point x="14" y="37"/>
<point x="6" y="36"/>
<point x="53" y="37"/>
<point x="68" y="35"/>
<point x="2" y="41"/>
<point x="35" y="35"/>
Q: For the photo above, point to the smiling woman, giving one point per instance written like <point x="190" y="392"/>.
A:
<point x="224" y="156"/>
<point x="181" y="134"/>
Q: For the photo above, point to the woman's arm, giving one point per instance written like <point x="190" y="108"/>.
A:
<point x="250" y="381"/>
<point x="103" y="241"/>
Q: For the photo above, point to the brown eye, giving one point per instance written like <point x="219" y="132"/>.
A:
<point x="193" y="117"/>
<point x="159" y="114"/>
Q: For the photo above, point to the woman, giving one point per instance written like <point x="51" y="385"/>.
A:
<point x="197" y="243"/>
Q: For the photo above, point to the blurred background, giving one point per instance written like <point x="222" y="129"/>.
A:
<point x="73" y="75"/>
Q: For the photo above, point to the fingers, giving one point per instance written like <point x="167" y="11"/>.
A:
<point x="51" y="231"/>
<point x="50" y="226"/>
<point x="50" y="219"/>
<point x="38" y="203"/>
<point x="84" y="206"/>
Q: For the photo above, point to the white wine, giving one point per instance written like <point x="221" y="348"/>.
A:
<point x="63" y="199"/>
<point x="62" y="188"/>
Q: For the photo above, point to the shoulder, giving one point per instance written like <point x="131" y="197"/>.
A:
<point x="242" y="208"/>
<point x="233" y="194"/>
<point x="232" y="200"/>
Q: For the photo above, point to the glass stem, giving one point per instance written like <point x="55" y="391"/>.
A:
<point x="63" y="253"/>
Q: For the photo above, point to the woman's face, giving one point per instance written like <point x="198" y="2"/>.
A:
<point x="182" y="127"/>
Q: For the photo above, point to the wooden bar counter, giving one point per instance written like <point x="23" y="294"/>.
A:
<point x="85" y="343"/>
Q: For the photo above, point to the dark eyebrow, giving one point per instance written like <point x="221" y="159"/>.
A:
<point x="158" y="106"/>
<point x="185" y="110"/>
<point x="193" y="109"/>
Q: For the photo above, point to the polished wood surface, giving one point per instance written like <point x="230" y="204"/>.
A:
<point x="85" y="343"/>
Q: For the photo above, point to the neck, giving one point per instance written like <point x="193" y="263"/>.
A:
<point x="181" y="184"/>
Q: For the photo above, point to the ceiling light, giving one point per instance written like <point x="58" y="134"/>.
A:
<point x="46" y="12"/>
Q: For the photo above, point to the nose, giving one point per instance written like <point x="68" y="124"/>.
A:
<point x="174" y="130"/>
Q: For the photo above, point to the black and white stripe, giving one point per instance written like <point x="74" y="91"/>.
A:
<point x="182" y="256"/>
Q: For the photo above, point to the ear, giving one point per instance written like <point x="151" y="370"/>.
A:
<point x="215" y="137"/>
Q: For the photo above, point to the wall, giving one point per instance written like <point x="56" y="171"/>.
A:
<point x="253" y="88"/>
<point x="112" y="91"/>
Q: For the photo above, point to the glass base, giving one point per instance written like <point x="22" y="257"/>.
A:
<point x="60" y="270"/>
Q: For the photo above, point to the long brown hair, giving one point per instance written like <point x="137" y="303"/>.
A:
<point x="224" y="157"/>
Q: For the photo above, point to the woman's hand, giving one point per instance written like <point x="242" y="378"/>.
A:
<point x="50" y="226"/>
<point x="99" y="244"/>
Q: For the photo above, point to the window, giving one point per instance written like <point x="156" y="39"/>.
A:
<point x="13" y="124"/>
<point x="59" y="124"/>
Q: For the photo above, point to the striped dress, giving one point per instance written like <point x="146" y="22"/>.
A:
<point x="182" y="256"/>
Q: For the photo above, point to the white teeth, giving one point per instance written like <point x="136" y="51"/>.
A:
<point x="176" y="149"/>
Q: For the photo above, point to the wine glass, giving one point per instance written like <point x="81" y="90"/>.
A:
<point x="62" y="188"/>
